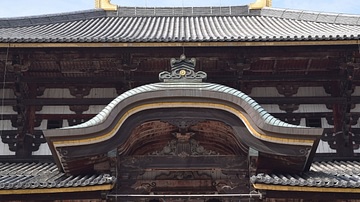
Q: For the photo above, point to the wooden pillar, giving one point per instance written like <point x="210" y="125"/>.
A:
<point x="253" y="160"/>
<point x="23" y="138"/>
<point x="343" y="143"/>
<point x="31" y="119"/>
<point x="342" y="117"/>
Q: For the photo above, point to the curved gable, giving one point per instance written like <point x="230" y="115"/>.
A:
<point x="182" y="96"/>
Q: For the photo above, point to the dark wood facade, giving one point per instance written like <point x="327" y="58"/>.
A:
<point x="194" y="150"/>
<point x="285" y="68"/>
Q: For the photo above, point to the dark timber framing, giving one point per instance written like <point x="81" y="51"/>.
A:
<point x="139" y="134"/>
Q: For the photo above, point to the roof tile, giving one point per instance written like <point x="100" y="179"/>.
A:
<point x="41" y="175"/>
<point x="181" y="25"/>
<point x="344" y="174"/>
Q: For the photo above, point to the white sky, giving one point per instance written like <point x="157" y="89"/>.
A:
<point x="17" y="8"/>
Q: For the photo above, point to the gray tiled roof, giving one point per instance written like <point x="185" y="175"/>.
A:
<point x="205" y="24"/>
<point x="45" y="175"/>
<point x="336" y="18"/>
<point x="238" y="96"/>
<point x="344" y="174"/>
<point x="50" y="19"/>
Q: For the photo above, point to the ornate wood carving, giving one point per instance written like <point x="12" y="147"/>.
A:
<point x="79" y="91"/>
<point x="349" y="61"/>
<point x="22" y="140"/>
<point x="75" y="121"/>
<point x="288" y="89"/>
<point x="292" y="118"/>
<point x="206" y="174"/>
<point x="239" y="65"/>
<point x="10" y="140"/>
<point x="328" y="88"/>
<point x="171" y="162"/>
<point x="18" y="67"/>
<point x="33" y="141"/>
<point x="191" y="180"/>
<point x="184" y="146"/>
<point x="330" y="138"/>
<point x="289" y="108"/>
<point x="38" y="139"/>
<point x="40" y="90"/>
<point x="18" y="64"/>
<point x="79" y="109"/>
<point x="183" y="124"/>
<point x="341" y="138"/>
<point x="127" y="63"/>
<point x="353" y="119"/>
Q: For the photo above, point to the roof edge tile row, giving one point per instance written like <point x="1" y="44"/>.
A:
<point x="335" y="18"/>
<point x="51" y="18"/>
<point x="181" y="11"/>
<point x="337" y="174"/>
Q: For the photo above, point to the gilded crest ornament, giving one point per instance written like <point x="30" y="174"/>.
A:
<point x="182" y="70"/>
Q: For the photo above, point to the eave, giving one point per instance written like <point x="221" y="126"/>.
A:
<point x="106" y="132"/>
<point x="105" y="187"/>
<point x="180" y="44"/>
<point x="305" y="189"/>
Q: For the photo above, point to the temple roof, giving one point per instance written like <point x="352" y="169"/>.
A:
<point x="337" y="174"/>
<point x="263" y="116"/>
<point x="47" y="178"/>
<point x="188" y="24"/>
<point x="181" y="91"/>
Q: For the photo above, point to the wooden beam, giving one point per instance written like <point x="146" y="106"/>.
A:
<point x="105" y="101"/>
<point x="299" y="100"/>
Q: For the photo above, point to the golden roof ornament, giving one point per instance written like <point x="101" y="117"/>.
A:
<point x="106" y="5"/>
<point x="182" y="70"/>
<point x="259" y="4"/>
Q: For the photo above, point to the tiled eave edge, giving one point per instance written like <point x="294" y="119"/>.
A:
<point x="179" y="44"/>
<point x="105" y="187"/>
<point x="305" y="189"/>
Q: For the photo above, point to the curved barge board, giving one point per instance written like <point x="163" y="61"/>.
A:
<point x="110" y="128"/>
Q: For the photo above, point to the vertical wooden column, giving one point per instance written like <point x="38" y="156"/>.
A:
<point x="342" y="117"/>
<point x="253" y="160"/>
<point x="343" y="143"/>
<point x="31" y="119"/>
<point x="22" y="141"/>
<point x="23" y="137"/>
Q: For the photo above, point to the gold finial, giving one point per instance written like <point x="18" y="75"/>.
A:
<point x="106" y="5"/>
<point x="259" y="4"/>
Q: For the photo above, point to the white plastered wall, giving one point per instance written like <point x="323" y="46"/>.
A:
<point x="304" y="108"/>
<point x="102" y="93"/>
<point x="6" y="125"/>
<point x="65" y="93"/>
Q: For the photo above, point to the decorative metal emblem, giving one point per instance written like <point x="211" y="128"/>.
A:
<point x="182" y="70"/>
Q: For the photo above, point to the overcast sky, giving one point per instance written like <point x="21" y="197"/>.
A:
<point x="17" y="8"/>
